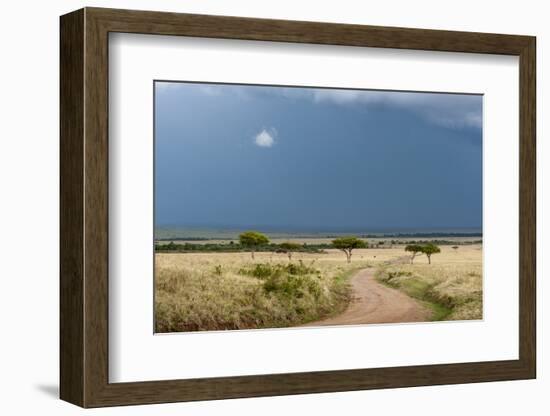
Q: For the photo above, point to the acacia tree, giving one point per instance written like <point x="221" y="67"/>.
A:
<point x="289" y="248"/>
<point x="414" y="249"/>
<point x="430" y="249"/>
<point x="252" y="240"/>
<point x="347" y="244"/>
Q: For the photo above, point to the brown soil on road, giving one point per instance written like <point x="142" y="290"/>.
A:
<point x="374" y="303"/>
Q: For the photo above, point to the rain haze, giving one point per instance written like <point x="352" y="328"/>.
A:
<point x="282" y="158"/>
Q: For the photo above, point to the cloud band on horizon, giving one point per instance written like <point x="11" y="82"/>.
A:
<point x="449" y="110"/>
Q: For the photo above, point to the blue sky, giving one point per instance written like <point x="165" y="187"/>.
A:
<point x="316" y="159"/>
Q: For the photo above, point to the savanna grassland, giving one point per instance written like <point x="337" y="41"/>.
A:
<point x="230" y="290"/>
<point x="452" y="285"/>
<point x="217" y="291"/>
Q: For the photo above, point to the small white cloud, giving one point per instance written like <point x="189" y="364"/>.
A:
<point x="265" y="138"/>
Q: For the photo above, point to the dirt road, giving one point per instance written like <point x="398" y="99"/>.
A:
<point x="374" y="303"/>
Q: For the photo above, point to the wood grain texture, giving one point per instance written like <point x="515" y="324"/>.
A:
<point x="527" y="208"/>
<point x="162" y="23"/>
<point x="71" y="203"/>
<point x="84" y="207"/>
<point x="96" y="208"/>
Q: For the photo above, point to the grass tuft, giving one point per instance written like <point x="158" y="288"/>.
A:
<point x="194" y="295"/>
<point x="453" y="292"/>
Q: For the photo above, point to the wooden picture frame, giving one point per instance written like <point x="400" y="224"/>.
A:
<point x="84" y="207"/>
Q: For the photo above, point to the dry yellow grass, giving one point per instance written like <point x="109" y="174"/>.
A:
<point x="209" y="291"/>
<point x="453" y="282"/>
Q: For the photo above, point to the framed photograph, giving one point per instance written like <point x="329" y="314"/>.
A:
<point x="257" y="207"/>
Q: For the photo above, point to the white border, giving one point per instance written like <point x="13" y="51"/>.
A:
<point x="135" y="354"/>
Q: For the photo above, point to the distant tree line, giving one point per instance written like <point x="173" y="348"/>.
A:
<point x="422" y="235"/>
<point x="254" y="241"/>
<point x="386" y="236"/>
<point x="438" y="242"/>
<point x="232" y="246"/>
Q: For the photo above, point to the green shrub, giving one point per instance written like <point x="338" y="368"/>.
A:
<point x="267" y="270"/>
<point x="260" y="270"/>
